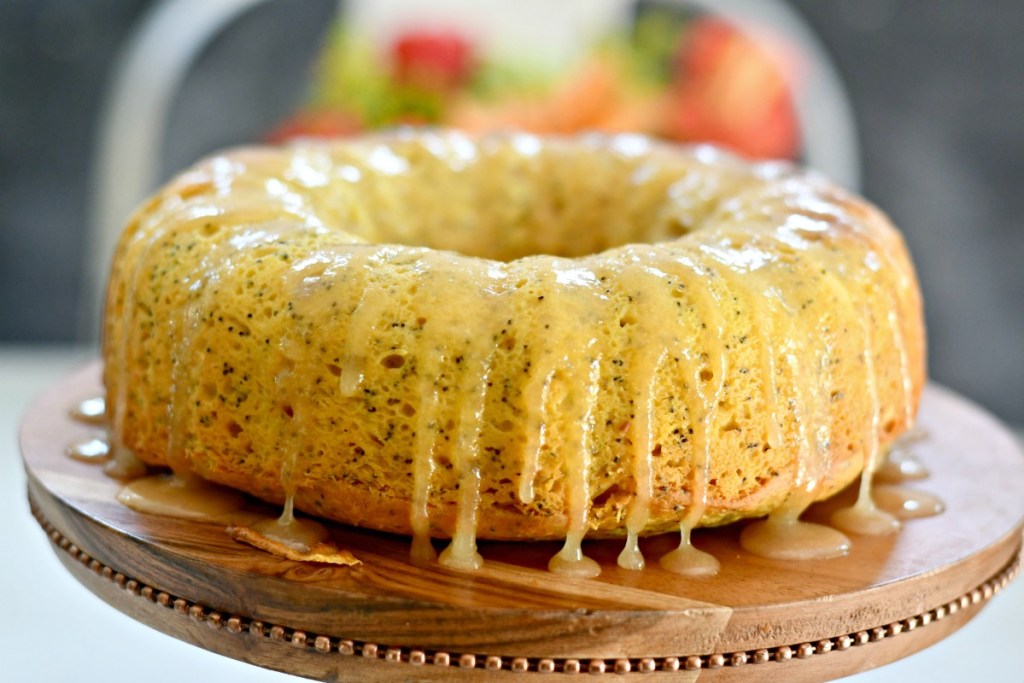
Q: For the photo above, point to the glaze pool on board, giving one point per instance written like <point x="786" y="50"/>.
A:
<point x="192" y="498"/>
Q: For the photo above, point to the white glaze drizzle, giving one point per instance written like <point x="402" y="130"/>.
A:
<point x="214" y="269"/>
<point x="363" y="320"/>
<point x="783" y="535"/>
<point x="570" y="560"/>
<point x="472" y="354"/>
<point x="298" y="534"/>
<point x="421" y="551"/>
<point x="573" y="302"/>
<point x="124" y="464"/>
<point x="642" y="448"/>
<point x="536" y="396"/>
<point x="462" y="553"/>
<point x="183" y="332"/>
<point x="648" y="357"/>
<point x="897" y="309"/>
<point x="686" y="559"/>
<point x="881" y="249"/>
<point x="905" y="380"/>
<point x="755" y="290"/>
<point x="864" y="517"/>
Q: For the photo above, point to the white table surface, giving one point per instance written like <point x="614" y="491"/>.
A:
<point x="54" y="629"/>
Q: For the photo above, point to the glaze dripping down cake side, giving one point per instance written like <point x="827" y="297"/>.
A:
<point x="512" y="337"/>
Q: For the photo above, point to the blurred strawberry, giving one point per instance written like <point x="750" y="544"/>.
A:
<point x="727" y="88"/>
<point x="438" y="61"/>
<point x="315" y="123"/>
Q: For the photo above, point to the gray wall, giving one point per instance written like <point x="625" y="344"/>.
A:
<point x="938" y="88"/>
<point x="55" y="61"/>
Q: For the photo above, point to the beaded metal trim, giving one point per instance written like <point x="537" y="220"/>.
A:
<point x="424" y="657"/>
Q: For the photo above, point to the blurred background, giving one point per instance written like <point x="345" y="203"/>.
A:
<point x="918" y="103"/>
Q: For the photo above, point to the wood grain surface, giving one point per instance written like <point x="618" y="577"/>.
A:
<point x="513" y="613"/>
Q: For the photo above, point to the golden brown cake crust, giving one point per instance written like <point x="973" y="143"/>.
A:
<point x="272" y="324"/>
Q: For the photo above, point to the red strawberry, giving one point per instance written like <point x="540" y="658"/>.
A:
<point x="729" y="89"/>
<point x="432" y="61"/>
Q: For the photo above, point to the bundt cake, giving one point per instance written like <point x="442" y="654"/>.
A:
<point x="512" y="337"/>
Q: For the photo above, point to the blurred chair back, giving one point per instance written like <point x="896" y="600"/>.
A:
<point x="152" y="65"/>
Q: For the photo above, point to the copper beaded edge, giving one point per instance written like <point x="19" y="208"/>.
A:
<point x="325" y="644"/>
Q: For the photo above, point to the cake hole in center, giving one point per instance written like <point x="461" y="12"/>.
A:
<point x="567" y="201"/>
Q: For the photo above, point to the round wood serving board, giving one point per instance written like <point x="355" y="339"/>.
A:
<point x="385" y="619"/>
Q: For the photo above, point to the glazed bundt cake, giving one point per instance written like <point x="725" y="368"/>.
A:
<point x="512" y="337"/>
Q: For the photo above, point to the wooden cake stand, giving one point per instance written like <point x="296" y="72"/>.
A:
<point x="385" y="619"/>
